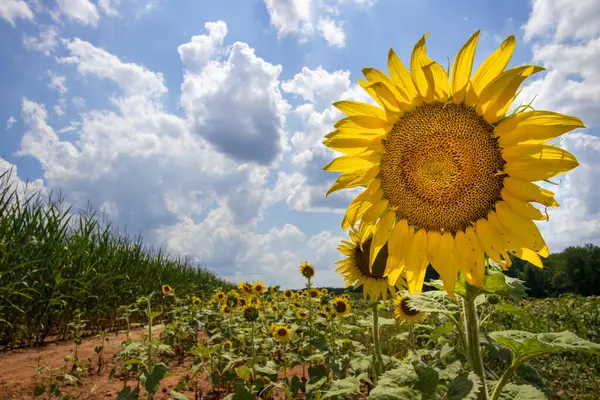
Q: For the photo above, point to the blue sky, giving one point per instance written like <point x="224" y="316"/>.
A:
<point x="198" y="123"/>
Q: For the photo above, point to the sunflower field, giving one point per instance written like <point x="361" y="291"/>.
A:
<point x="447" y="172"/>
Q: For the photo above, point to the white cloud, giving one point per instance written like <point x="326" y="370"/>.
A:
<point x="10" y="10"/>
<point x="202" y="48"/>
<point x="132" y="78"/>
<point x="10" y="122"/>
<point x="568" y="45"/>
<point x="61" y="107"/>
<point x="9" y="177"/>
<point x="318" y="85"/>
<point x="332" y="32"/>
<point x="290" y="16"/>
<point x="236" y="104"/>
<point x="109" y="7"/>
<point x="57" y="82"/>
<point x="45" y="42"/>
<point x="80" y="11"/>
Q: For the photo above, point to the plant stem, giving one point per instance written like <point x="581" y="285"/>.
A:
<point x="376" y="343"/>
<point x="411" y="337"/>
<point x="503" y="380"/>
<point x="253" y="353"/>
<point x="149" y="336"/>
<point x="310" y="317"/>
<point x="472" y="333"/>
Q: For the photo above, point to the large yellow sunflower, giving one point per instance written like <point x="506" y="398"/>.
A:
<point x="357" y="270"/>
<point x="281" y="333"/>
<point x="448" y="173"/>
<point x="341" y="306"/>
<point x="403" y="312"/>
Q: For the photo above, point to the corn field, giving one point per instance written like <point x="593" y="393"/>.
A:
<point x="56" y="264"/>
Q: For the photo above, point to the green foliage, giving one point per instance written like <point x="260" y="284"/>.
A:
<point x="54" y="261"/>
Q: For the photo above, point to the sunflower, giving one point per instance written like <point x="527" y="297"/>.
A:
<point x="448" y="173"/>
<point x="281" y="333"/>
<point x="403" y="312"/>
<point x="314" y="293"/>
<point x="227" y="345"/>
<point x="357" y="270"/>
<point x="226" y="308"/>
<point x="341" y="306"/>
<point x="302" y="313"/>
<point x="242" y="302"/>
<point x="245" y="288"/>
<point x="196" y="301"/>
<point x="288" y="294"/>
<point x="307" y="270"/>
<point x="220" y="296"/>
<point x="166" y="289"/>
<point x="258" y="287"/>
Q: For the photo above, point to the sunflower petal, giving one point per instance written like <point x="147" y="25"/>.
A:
<point x="491" y="243"/>
<point x="461" y="70"/>
<point x="539" y="126"/>
<point x="361" y="204"/>
<point x="355" y="145"/>
<point x="537" y="162"/>
<point x="389" y="100"/>
<point x="353" y="179"/>
<point x="349" y="164"/>
<point x="397" y="245"/>
<point x="498" y="95"/>
<point x="470" y="256"/>
<point x="528" y="191"/>
<point x="438" y="79"/>
<point x="374" y="212"/>
<point x="523" y="208"/>
<point x="363" y="123"/>
<point x="491" y="67"/>
<point x="524" y="229"/>
<point x="448" y="270"/>
<point x="381" y="235"/>
<point x="352" y="108"/>
<point x="416" y="262"/>
<point x="374" y="75"/>
<point x="529" y="256"/>
<point x="418" y="60"/>
<point x="401" y="77"/>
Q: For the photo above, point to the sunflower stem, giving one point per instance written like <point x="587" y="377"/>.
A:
<point x="310" y="317"/>
<point x="472" y="333"/>
<point x="411" y="337"/>
<point x="253" y="354"/>
<point x="504" y="380"/>
<point x="377" y="359"/>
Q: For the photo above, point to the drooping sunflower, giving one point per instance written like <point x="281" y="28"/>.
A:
<point x="448" y="171"/>
<point x="220" y="296"/>
<point x="245" y="288"/>
<point x="281" y="333"/>
<point x="307" y="270"/>
<point x="357" y="270"/>
<point x="258" y="287"/>
<point x="403" y="312"/>
<point x="166" y="289"/>
<point x="341" y="306"/>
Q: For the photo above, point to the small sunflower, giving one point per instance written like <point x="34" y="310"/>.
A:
<point x="166" y="289"/>
<point x="251" y="314"/>
<point x="314" y="293"/>
<point x="273" y="289"/>
<point x="302" y="313"/>
<point x="449" y="173"/>
<point x="220" y="296"/>
<point x="357" y="270"/>
<point x="324" y="291"/>
<point x="242" y="302"/>
<point x="288" y="294"/>
<point x="196" y="301"/>
<point x="404" y="313"/>
<point x="258" y="287"/>
<point x="341" y="306"/>
<point x="245" y="288"/>
<point x="307" y="270"/>
<point x="227" y="345"/>
<point x="226" y="308"/>
<point x="281" y="333"/>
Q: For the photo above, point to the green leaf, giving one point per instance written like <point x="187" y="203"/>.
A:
<point x="178" y="396"/>
<point x="441" y="330"/>
<point x="514" y="310"/>
<point x="393" y="393"/>
<point x="432" y="302"/>
<point x="243" y="372"/>
<point x="151" y="381"/>
<point x="502" y="285"/>
<point x="317" y="371"/>
<point x="521" y="392"/>
<point x="526" y="345"/>
<point x="127" y="394"/>
<point x="270" y="368"/>
<point x="241" y="392"/>
<point x="39" y="390"/>
<point x="295" y="385"/>
<point x="428" y="378"/>
<point x="465" y="386"/>
<point x="393" y="384"/>
<point x="347" y="386"/>
<point x="315" y="383"/>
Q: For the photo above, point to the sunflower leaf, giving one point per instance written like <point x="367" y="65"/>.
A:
<point x="521" y="392"/>
<point x="347" y="386"/>
<point x="465" y="386"/>
<point x="433" y="301"/>
<point x="505" y="286"/>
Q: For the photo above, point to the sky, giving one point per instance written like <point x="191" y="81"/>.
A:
<point x="199" y="123"/>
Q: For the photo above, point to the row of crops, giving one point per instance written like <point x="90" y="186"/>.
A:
<point x="56" y="264"/>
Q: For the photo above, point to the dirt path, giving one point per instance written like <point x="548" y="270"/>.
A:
<point x="19" y="370"/>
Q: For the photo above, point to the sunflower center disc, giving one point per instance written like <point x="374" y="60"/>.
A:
<point x="406" y="309"/>
<point x="439" y="167"/>
<point x="362" y="260"/>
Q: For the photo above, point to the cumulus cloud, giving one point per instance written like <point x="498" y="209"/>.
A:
<point x="109" y="7"/>
<point x="57" y="82"/>
<point x="291" y="16"/>
<point x="235" y="103"/>
<point x="9" y="178"/>
<point x="10" y="122"/>
<point x="203" y="48"/>
<point x="332" y="32"/>
<point x="10" y="10"/>
<point x="45" y="42"/>
<point x="132" y="78"/>
<point x="83" y="12"/>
